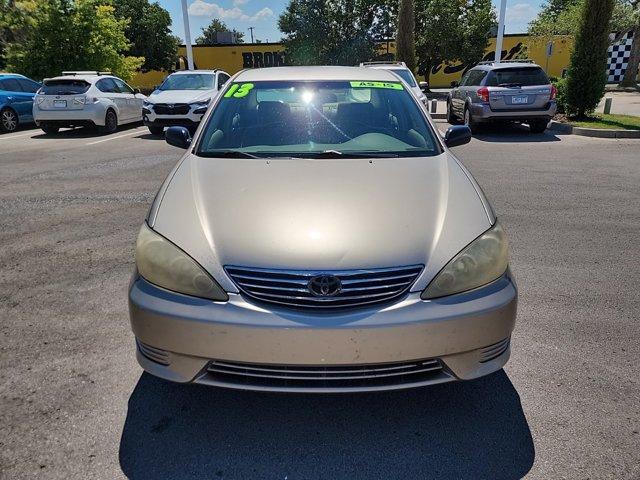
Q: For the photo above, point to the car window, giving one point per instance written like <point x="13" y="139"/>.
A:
<point x="122" y="87"/>
<point x="463" y="82"/>
<point x="522" y="76"/>
<point x="303" y="119"/>
<point x="10" y="85"/>
<point x="28" y="86"/>
<point x="65" y="87"/>
<point x="107" y="85"/>
<point x="405" y="75"/>
<point x="188" y="81"/>
<point x="222" y="79"/>
<point x="476" y="77"/>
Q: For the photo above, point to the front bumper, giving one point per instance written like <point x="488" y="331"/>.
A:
<point x="181" y="337"/>
<point x="484" y="113"/>
<point x="190" y="119"/>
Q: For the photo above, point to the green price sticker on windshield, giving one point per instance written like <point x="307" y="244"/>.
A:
<point x="391" y="85"/>
<point x="239" y="90"/>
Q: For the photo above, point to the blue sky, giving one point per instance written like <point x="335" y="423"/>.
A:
<point x="263" y="15"/>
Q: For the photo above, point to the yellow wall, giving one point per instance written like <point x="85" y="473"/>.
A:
<point x="233" y="58"/>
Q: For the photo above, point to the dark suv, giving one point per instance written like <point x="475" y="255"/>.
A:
<point x="508" y="91"/>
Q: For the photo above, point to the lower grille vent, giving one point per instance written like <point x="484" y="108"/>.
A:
<point x="494" y="351"/>
<point x="154" y="354"/>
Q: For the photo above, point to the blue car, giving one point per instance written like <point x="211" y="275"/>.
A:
<point x="16" y="100"/>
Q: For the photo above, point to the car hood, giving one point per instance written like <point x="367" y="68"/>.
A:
<point x="321" y="214"/>
<point x="180" y="96"/>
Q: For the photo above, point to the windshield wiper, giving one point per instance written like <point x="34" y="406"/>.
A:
<point x="227" y="154"/>
<point x="339" y="154"/>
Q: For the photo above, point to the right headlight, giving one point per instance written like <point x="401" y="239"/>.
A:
<point x="162" y="263"/>
<point x="481" y="262"/>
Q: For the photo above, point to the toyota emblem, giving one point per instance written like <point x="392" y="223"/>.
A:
<point x="324" y="285"/>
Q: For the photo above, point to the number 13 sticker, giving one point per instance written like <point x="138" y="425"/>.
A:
<point x="238" y="90"/>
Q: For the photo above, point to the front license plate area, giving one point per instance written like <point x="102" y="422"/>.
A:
<point x="519" y="100"/>
<point x="60" y="103"/>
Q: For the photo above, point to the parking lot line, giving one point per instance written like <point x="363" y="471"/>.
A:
<point x="137" y="130"/>
<point x="9" y="137"/>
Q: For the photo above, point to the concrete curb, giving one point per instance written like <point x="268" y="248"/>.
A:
<point x="592" y="132"/>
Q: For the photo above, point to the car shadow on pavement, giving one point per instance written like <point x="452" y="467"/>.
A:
<point x="464" y="430"/>
<point x="513" y="133"/>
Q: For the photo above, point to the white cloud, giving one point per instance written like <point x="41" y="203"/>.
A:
<point x="239" y="3"/>
<point x="200" y="8"/>
<point x="520" y="13"/>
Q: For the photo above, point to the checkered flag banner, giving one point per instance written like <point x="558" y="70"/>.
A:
<point x="618" y="57"/>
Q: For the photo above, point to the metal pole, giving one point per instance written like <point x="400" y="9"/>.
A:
<point x="251" y="30"/>
<point x="503" y="8"/>
<point x="187" y="34"/>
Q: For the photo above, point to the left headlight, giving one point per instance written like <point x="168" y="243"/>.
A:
<point x="162" y="263"/>
<point x="201" y="103"/>
<point x="482" y="261"/>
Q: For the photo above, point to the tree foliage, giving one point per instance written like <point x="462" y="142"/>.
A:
<point x="72" y="35"/>
<point x="405" y="39"/>
<point x="587" y="74"/>
<point x="149" y="31"/>
<point x="448" y="31"/>
<point x="208" y="35"/>
<point x="331" y="32"/>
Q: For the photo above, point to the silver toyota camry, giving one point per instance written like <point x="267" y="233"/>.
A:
<point x="319" y="236"/>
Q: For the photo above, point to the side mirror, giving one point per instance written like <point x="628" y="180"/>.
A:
<point x="179" y="137"/>
<point x="424" y="86"/>
<point x="455" y="84"/>
<point x="136" y="91"/>
<point x="456" y="135"/>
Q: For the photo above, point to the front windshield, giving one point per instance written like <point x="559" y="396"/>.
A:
<point x="405" y="75"/>
<point x="310" y="119"/>
<point x="188" y="81"/>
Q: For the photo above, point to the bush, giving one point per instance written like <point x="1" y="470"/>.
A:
<point x="587" y="73"/>
<point x="561" y="97"/>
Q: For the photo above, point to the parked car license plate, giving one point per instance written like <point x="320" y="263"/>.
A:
<point x="519" y="100"/>
<point x="60" y="103"/>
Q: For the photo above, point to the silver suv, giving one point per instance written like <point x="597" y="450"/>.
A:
<point x="508" y="91"/>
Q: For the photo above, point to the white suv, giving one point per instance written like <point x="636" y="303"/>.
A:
<point x="182" y="99"/>
<point x="401" y="70"/>
<point x="86" y="99"/>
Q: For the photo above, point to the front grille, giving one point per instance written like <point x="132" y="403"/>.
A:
<point x="321" y="377"/>
<point x="494" y="351"/>
<point x="166" y="109"/>
<point x="291" y="288"/>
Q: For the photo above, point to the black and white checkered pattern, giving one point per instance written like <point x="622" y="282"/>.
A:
<point x="618" y="56"/>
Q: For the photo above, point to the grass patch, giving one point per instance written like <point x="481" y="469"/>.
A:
<point x="608" y="122"/>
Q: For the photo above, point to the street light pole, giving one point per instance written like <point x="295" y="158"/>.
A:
<point x="187" y="34"/>
<point x="503" y="8"/>
<point x="251" y="30"/>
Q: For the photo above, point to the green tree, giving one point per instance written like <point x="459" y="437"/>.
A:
<point x="73" y="35"/>
<point x="149" y="31"/>
<point x="330" y="32"/>
<point x="448" y="31"/>
<point x="587" y="74"/>
<point x="208" y="35"/>
<point x="16" y="18"/>
<point x="632" y="16"/>
<point x="405" y="39"/>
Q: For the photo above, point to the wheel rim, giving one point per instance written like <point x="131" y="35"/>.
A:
<point x="9" y="120"/>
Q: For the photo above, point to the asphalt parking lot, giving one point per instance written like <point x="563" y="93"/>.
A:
<point x="75" y="405"/>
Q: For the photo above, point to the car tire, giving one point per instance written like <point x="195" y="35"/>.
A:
<point x="451" y="117"/>
<point x="110" y="122"/>
<point x="8" y="120"/>
<point x="156" y="130"/>
<point x="49" y="129"/>
<point x="538" y="126"/>
<point x="469" y="121"/>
